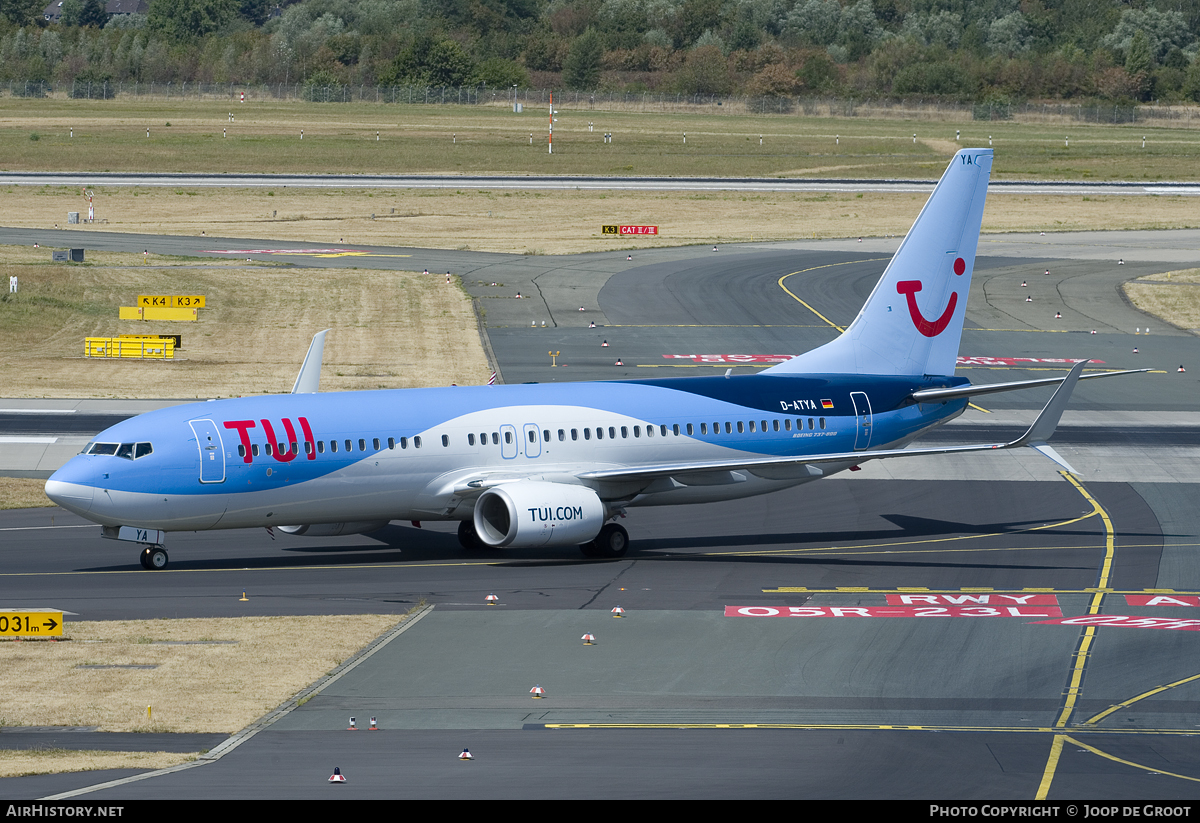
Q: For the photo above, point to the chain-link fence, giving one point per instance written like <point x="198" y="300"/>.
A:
<point x="907" y="108"/>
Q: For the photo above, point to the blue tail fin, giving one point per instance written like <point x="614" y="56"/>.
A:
<point x="912" y="322"/>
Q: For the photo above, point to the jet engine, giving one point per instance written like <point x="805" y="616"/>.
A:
<point x="334" y="529"/>
<point x="531" y="513"/>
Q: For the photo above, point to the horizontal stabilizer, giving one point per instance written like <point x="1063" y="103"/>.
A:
<point x="931" y="395"/>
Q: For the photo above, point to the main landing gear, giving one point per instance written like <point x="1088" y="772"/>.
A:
<point x="613" y="541"/>
<point x="154" y="557"/>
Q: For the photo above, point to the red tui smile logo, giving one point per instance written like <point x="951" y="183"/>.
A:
<point x="909" y="289"/>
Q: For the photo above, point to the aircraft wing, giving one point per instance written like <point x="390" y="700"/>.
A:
<point x="1035" y="437"/>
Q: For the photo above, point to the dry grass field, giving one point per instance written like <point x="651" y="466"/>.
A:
<point x="556" y="222"/>
<point x="195" y="675"/>
<point x="197" y="135"/>
<point x="1174" y="296"/>
<point x="23" y="493"/>
<point x="391" y="329"/>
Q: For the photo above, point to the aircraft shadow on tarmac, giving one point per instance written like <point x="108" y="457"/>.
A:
<point x="405" y="544"/>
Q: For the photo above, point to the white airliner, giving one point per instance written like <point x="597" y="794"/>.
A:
<point x="555" y="464"/>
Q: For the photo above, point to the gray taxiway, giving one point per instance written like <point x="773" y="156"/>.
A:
<point x="678" y="699"/>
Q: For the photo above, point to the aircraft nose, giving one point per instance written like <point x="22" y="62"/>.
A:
<point x="72" y="496"/>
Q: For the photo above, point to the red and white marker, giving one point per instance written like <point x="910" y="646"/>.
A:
<point x="374" y="727"/>
<point x="618" y="363"/>
<point x="589" y="639"/>
<point x="538" y="692"/>
<point x="352" y="727"/>
<point x="492" y="600"/>
<point x="466" y="755"/>
<point x="337" y="776"/>
<point x="618" y="611"/>
<point x="604" y="345"/>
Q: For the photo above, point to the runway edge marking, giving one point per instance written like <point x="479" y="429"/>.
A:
<point x="238" y="738"/>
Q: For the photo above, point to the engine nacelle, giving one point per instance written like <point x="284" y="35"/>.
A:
<point x="532" y="513"/>
<point x="335" y="529"/>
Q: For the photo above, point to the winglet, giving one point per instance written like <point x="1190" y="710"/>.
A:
<point x="308" y="381"/>
<point x="1043" y="428"/>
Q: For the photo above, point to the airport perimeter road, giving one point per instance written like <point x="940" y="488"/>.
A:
<point x="887" y="633"/>
<point x="535" y="182"/>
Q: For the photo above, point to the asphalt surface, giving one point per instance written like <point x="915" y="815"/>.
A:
<point x="941" y="706"/>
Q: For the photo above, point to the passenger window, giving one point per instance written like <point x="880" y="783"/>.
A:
<point x="625" y="432"/>
<point x="267" y="447"/>
<point x="392" y="442"/>
<point x="546" y="435"/>
<point x="703" y="428"/>
<point x="689" y="429"/>
<point x="810" y="424"/>
<point x="740" y="427"/>
<point x="763" y="427"/>
<point x="471" y="439"/>
<point x="254" y="449"/>
<point x="445" y="441"/>
<point x="599" y="433"/>
<point x="562" y="435"/>
<point x="822" y="423"/>
<point x="729" y="429"/>
<point x="308" y="447"/>
<point x="320" y="447"/>
<point x="612" y="433"/>
<point x="574" y="434"/>
<point x="495" y="439"/>
<point x="650" y="431"/>
<point x="416" y="442"/>
<point x="362" y="445"/>
<point x="664" y="429"/>
<point x="787" y="424"/>
<point x="349" y="446"/>
<point x="375" y="443"/>
<point x="508" y="437"/>
<point x="241" y="450"/>
<point x="404" y="442"/>
<point x="144" y="449"/>
<point x="587" y="434"/>
<point x="332" y="447"/>
<point x="293" y="445"/>
<point x="775" y="425"/>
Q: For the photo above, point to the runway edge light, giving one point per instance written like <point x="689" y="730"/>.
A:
<point x="492" y="600"/>
<point x="618" y="611"/>
<point x="588" y="639"/>
<point x="466" y="755"/>
<point x="538" y="692"/>
<point x="337" y="776"/>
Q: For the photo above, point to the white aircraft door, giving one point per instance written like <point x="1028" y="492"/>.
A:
<point x="533" y="440"/>
<point x="212" y="451"/>
<point x="862" y="413"/>
<point x="508" y="442"/>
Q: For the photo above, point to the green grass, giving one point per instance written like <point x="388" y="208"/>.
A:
<point x="111" y="136"/>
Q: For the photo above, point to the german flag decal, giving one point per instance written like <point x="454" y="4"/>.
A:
<point x="827" y="404"/>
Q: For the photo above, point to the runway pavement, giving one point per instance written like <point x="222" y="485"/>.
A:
<point x="700" y="691"/>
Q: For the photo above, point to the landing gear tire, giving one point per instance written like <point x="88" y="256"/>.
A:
<point x="613" y="541"/>
<point x="154" y="557"/>
<point x="468" y="538"/>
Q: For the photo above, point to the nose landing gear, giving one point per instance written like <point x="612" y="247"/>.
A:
<point x="154" y="557"/>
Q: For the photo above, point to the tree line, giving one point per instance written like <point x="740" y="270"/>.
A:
<point x="963" y="50"/>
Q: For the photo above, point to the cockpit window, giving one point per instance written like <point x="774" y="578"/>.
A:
<point x="129" y="451"/>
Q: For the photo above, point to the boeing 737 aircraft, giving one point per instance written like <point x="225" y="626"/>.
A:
<point x="555" y="464"/>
